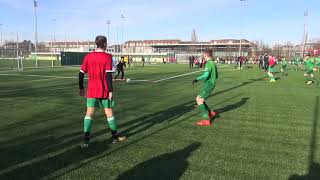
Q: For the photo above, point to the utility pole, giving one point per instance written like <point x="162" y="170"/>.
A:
<point x="35" y="5"/>
<point x="1" y="45"/>
<point x="108" y="35"/>
<point x="305" y="32"/>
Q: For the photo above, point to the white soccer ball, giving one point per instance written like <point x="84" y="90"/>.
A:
<point x="128" y="80"/>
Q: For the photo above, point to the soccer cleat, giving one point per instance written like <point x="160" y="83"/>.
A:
<point x="309" y="82"/>
<point x="86" y="141"/>
<point x="204" y="123"/>
<point x="118" y="138"/>
<point x="272" y="81"/>
<point x="212" y="114"/>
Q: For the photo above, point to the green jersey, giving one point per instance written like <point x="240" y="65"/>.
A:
<point x="210" y="74"/>
<point x="310" y="63"/>
<point x="284" y="62"/>
<point x="296" y="61"/>
<point x="318" y="62"/>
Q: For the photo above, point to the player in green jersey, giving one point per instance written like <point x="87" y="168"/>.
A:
<point x="284" y="66"/>
<point x="296" y="63"/>
<point x="309" y="68"/>
<point x="210" y="77"/>
<point x="318" y="63"/>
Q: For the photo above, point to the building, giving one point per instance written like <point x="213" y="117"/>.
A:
<point x="221" y="48"/>
<point x="73" y="46"/>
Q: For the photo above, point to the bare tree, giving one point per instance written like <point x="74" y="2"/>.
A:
<point x="262" y="47"/>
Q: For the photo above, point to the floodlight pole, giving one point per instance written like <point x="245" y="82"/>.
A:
<point x="17" y="44"/>
<point x="108" y="35"/>
<point x="240" y="46"/>
<point x="122" y="30"/>
<point x="1" y="45"/>
<point x="53" y="40"/>
<point x="305" y="36"/>
<point x="35" y="5"/>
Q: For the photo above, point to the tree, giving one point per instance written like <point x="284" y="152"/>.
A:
<point x="262" y="47"/>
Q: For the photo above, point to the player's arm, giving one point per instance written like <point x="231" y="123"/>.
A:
<point x="109" y="81"/>
<point x="81" y="78"/>
<point x="83" y="70"/>
<point x="205" y="75"/>
<point x="109" y="78"/>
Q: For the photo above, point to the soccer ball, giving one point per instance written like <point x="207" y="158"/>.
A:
<point x="128" y="80"/>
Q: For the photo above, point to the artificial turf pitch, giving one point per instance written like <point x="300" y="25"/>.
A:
<point x="264" y="130"/>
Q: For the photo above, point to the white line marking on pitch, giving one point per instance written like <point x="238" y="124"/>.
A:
<point x="33" y="75"/>
<point x="176" y="76"/>
<point x="188" y="74"/>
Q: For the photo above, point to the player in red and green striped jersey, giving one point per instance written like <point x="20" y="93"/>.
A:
<point x="210" y="77"/>
<point x="98" y="65"/>
<point x="271" y="68"/>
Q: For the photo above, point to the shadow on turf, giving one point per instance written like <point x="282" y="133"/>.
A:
<point x="231" y="107"/>
<point x="314" y="167"/>
<point x="239" y="86"/>
<point x="166" y="166"/>
<point x="53" y="159"/>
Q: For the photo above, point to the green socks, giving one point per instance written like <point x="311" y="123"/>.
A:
<point x="307" y="78"/>
<point x="87" y="124"/>
<point x="207" y="107"/>
<point x="203" y="111"/>
<point x="112" y="123"/>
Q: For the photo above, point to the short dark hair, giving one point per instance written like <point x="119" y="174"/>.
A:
<point x="101" y="41"/>
<point x="122" y="57"/>
<point x="208" y="52"/>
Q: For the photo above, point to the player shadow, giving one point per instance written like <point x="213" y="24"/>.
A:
<point x="37" y="163"/>
<point x="231" y="107"/>
<point x="146" y="122"/>
<point x="51" y="163"/>
<point x="314" y="167"/>
<point x="166" y="166"/>
<point x="239" y="86"/>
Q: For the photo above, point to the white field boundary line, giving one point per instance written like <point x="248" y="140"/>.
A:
<point x="164" y="79"/>
<point x="33" y="75"/>
<point x="133" y="80"/>
<point x="173" y="77"/>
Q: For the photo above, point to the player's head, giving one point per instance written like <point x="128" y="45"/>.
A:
<point x="101" y="42"/>
<point x="207" y="54"/>
<point x="122" y="58"/>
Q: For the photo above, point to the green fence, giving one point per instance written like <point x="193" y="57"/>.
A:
<point x="72" y="58"/>
<point x="12" y="64"/>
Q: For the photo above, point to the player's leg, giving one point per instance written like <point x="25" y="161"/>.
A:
<point x="205" y="111"/>
<point x="111" y="121"/>
<point x="271" y="77"/>
<point x="122" y="73"/>
<point x="307" y="78"/>
<point x="117" y="74"/>
<point x="314" y="79"/>
<point x="87" y="122"/>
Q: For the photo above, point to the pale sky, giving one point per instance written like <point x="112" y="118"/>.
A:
<point x="269" y="20"/>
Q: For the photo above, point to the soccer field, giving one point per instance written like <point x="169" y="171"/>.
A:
<point x="263" y="131"/>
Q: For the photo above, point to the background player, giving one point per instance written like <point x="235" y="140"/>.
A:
<point x="310" y="66"/>
<point x="271" y="68"/>
<point x="266" y="62"/>
<point x="98" y="65"/>
<point x="120" y="68"/>
<point x="284" y="66"/>
<point x="209" y="76"/>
